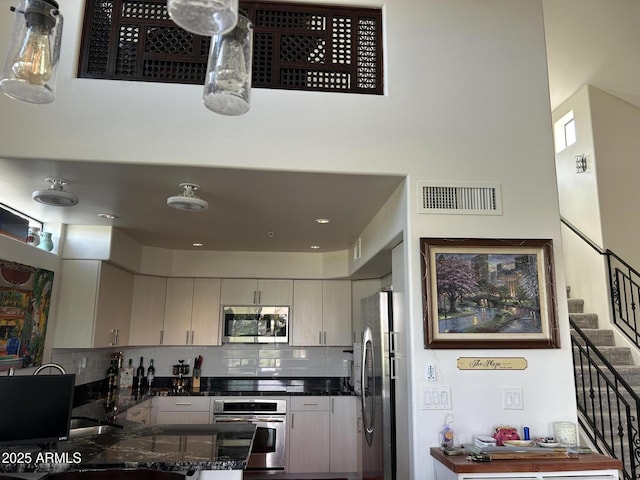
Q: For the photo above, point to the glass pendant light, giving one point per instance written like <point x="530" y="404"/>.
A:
<point x="228" y="80"/>
<point x="29" y="70"/>
<point x="204" y="17"/>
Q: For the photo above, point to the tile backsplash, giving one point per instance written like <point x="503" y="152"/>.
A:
<point x="228" y="360"/>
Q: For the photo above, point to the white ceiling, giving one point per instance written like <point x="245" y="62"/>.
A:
<point x="588" y="41"/>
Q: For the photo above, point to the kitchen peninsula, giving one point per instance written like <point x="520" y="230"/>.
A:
<point x="203" y="452"/>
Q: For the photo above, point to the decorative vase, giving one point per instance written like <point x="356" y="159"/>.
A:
<point x="45" y="241"/>
<point x="33" y="236"/>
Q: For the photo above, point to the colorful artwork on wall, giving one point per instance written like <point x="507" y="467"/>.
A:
<point x="25" y="296"/>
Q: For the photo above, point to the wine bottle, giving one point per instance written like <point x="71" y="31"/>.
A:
<point x="139" y="378"/>
<point x="112" y="379"/>
<point x="151" y="373"/>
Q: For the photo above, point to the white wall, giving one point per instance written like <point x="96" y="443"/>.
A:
<point x="466" y="100"/>
<point x="615" y="126"/>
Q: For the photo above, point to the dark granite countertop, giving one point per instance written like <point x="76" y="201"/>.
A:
<point x="169" y="448"/>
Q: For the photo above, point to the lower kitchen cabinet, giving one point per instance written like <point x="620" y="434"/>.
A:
<point x="323" y="435"/>
<point x="187" y="410"/>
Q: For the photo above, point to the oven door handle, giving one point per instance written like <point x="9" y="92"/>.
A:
<point x="250" y="420"/>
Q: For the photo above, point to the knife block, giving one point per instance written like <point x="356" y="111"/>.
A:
<point x="195" y="381"/>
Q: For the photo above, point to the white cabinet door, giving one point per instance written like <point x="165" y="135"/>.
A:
<point x="147" y="310"/>
<point x="306" y="318"/>
<point x="113" y="310"/>
<point x="309" y="435"/>
<point x="77" y="303"/>
<point x="344" y="434"/>
<point x="275" y="292"/>
<point x="251" y="291"/>
<point x="95" y="297"/>
<point x="205" y="319"/>
<point x="177" y="311"/>
<point x="336" y="312"/>
<point x="321" y="313"/>
<point x="238" y="291"/>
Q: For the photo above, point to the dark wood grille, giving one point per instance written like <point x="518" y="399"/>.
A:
<point x="295" y="46"/>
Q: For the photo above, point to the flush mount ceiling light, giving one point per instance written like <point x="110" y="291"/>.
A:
<point x="204" y="17"/>
<point x="187" y="200"/>
<point x="55" y="196"/>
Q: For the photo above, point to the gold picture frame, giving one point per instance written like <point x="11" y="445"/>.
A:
<point x="488" y="293"/>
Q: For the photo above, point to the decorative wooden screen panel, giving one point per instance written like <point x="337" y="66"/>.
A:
<point x="296" y="46"/>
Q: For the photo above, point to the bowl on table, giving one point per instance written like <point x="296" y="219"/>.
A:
<point x="518" y="443"/>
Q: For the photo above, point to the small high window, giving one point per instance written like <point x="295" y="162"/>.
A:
<point x="564" y="131"/>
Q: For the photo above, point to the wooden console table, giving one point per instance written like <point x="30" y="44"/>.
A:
<point x="584" y="466"/>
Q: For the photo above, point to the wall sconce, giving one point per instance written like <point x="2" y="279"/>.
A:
<point x="30" y="68"/>
<point x="581" y="163"/>
<point x="204" y="17"/>
<point x="228" y="81"/>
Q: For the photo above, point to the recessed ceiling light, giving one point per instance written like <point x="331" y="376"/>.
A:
<point x="322" y="221"/>
<point x="198" y="244"/>
<point x="108" y="216"/>
<point x="315" y="247"/>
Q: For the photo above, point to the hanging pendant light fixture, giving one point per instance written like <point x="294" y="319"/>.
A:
<point x="228" y="80"/>
<point x="29" y="70"/>
<point x="204" y="17"/>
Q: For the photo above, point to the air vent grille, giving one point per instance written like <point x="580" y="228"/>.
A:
<point x="469" y="199"/>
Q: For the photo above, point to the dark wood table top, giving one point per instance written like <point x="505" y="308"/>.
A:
<point x="584" y="461"/>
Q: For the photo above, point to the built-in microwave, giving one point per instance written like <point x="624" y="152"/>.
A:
<point x="255" y="324"/>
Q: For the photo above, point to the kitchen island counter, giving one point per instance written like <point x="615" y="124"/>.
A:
<point x="197" y="450"/>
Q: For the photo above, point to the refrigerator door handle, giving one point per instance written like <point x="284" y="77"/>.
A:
<point x="368" y="388"/>
<point x="392" y="364"/>
<point x="393" y="340"/>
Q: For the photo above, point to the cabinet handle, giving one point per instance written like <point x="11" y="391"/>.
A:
<point x="307" y="404"/>
<point x="183" y="403"/>
<point x="319" y="338"/>
<point x="192" y="331"/>
<point x="325" y="338"/>
<point x="115" y="336"/>
<point x="332" y="404"/>
<point x="161" y="336"/>
<point x="392" y="374"/>
<point x="293" y="415"/>
<point x="186" y="342"/>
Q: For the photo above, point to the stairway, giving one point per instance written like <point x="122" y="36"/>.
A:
<point x="622" y="360"/>
<point x="619" y="357"/>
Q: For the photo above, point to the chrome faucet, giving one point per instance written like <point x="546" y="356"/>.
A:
<point x="50" y="365"/>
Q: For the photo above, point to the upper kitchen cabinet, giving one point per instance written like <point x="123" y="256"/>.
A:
<point x="192" y="312"/>
<point x="94" y="306"/>
<point x="251" y="291"/>
<point x="147" y="310"/>
<point x="321" y="313"/>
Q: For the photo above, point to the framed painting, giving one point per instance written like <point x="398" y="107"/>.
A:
<point x="486" y="293"/>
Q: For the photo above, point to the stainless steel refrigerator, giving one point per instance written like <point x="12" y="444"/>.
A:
<point x="377" y="391"/>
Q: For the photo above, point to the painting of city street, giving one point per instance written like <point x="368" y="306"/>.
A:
<point x="481" y="293"/>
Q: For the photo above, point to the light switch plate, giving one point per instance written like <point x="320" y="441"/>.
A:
<point x="436" y="397"/>
<point x="512" y="399"/>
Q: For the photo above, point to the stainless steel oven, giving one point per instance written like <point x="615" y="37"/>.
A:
<point x="270" y="418"/>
